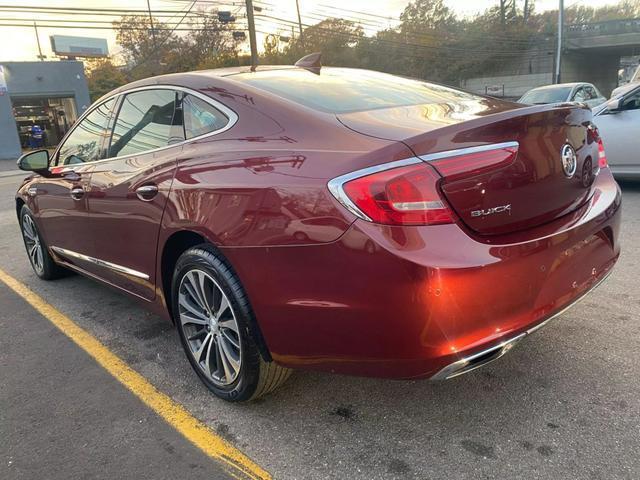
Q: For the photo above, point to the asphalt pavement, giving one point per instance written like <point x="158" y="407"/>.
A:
<point x="564" y="404"/>
<point x="64" y="417"/>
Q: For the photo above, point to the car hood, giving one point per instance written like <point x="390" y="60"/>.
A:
<point x="399" y="123"/>
<point x="624" y="89"/>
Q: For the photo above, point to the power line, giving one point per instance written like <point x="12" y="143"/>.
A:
<point x="157" y="47"/>
<point x="392" y="42"/>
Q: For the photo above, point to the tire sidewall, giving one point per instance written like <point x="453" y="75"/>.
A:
<point x="201" y="258"/>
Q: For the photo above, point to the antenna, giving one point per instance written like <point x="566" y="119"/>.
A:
<point x="311" y="62"/>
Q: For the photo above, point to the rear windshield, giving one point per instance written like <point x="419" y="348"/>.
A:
<point x="548" y="95"/>
<point x="338" y="90"/>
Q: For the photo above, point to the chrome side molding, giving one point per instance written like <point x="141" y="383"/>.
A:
<point x="102" y="263"/>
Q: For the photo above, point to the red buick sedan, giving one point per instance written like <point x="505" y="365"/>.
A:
<point x="332" y="219"/>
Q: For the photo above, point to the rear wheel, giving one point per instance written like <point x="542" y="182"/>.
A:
<point x="41" y="261"/>
<point x="213" y="313"/>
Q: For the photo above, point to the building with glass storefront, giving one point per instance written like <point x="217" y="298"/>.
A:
<point x="39" y="101"/>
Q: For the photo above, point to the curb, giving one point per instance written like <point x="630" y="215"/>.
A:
<point x="13" y="173"/>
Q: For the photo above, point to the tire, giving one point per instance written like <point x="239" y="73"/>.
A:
<point x="217" y="338"/>
<point x="41" y="261"/>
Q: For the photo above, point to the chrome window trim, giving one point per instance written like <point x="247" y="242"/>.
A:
<point x="102" y="263"/>
<point x="430" y="157"/>
<point x="230" y="114"/>
<point x="336" y="184"/>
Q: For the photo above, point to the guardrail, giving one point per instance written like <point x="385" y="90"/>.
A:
<point x="610" y="27"/>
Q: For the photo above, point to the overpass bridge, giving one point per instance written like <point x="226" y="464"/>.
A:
<point x="592" y="51"/>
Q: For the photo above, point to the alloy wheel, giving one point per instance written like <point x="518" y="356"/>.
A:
<point x="209" y="326"/>
<point x="32" y="241"/>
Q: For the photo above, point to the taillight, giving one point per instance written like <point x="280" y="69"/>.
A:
<point x="602" y="157"/>
<point x="594" y="134"/>
<point x="402" y="195"/>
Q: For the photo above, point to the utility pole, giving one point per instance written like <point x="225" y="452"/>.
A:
<point x="525" y="15"/>
<point x="560" y="40"/>
<point x="299" y="23"/>
<point x="153" y="30"/>
<point x="40" y="56"/>
<point x="252" y="34"/>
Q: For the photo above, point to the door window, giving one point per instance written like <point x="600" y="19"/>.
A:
<point x="579" y="96"/>
<point x="147" y="120"/>
<point x="200" y="117"/>
<point x="590" y="93"/>
<point x="85" y="142"/>
<point x="632" y="102"/>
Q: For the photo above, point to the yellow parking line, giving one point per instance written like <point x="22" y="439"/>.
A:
<point x="235" y="462"/>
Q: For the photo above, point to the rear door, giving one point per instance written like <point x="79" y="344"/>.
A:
<point x="129" y="190"/>
<point x="60" y="199"/>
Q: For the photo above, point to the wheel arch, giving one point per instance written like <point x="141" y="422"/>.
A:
<point x="178" y="243"/>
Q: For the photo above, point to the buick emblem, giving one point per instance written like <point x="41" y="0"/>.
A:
<point x="569" y="160"/>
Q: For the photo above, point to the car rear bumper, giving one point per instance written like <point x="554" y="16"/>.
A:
<point x="405" y="302"/>
<point x="471" y="362"/>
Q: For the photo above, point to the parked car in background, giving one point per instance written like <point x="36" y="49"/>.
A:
<point x="333" y="219"/>
<point x="635" y="81"/>
<point x="564" y="92"/>
<point x="619" y="124"/>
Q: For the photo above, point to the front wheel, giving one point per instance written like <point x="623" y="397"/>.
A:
<point x="212" y="314"/>
<point x="41" y="261"/>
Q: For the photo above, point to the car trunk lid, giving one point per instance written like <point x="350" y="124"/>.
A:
<point x="503" y="172"/>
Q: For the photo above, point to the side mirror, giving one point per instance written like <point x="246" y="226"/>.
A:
<point x="614" y="105"/>
<point x="34" y="161"/>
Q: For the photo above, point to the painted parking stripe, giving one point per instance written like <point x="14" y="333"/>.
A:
<point x="235" y="462"/>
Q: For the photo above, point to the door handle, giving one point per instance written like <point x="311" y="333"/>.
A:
<point x="147" y="192"/>
<point x="77" y="193"/>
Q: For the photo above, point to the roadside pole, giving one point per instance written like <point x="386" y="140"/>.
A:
<point x="560" y="40"/>
<point x="252" y="34"/>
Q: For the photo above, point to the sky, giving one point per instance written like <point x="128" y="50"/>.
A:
<point x="19" y="43"/>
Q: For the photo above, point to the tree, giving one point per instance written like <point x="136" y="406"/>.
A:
<point x="170" y="50"/>
<point x="427" y="15"/>
<point x="334" y="37"/>
<point x="102" y="77"/>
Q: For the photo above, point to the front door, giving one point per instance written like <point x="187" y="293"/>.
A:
<point x="620" y="131"/>
<point x="60" y="198"/>
<point x="128" y="192"/>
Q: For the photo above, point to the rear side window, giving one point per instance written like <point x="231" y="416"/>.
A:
<point x="147" y="120"/>
<point x="580" y="95"/>
<point x="85" y="141"/>
<point x="590" y="92"/>
<point x="546" y="95"/>
<point x="200" y="117"/>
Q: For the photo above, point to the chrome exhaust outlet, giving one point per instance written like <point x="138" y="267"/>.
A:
<point x="477" y="360"/>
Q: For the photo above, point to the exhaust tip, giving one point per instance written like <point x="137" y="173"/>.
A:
<point x="477" y="360"/>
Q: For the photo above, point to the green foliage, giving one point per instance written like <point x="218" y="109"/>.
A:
<point x="102" y="77"/>
<point x="207" y="42"/>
